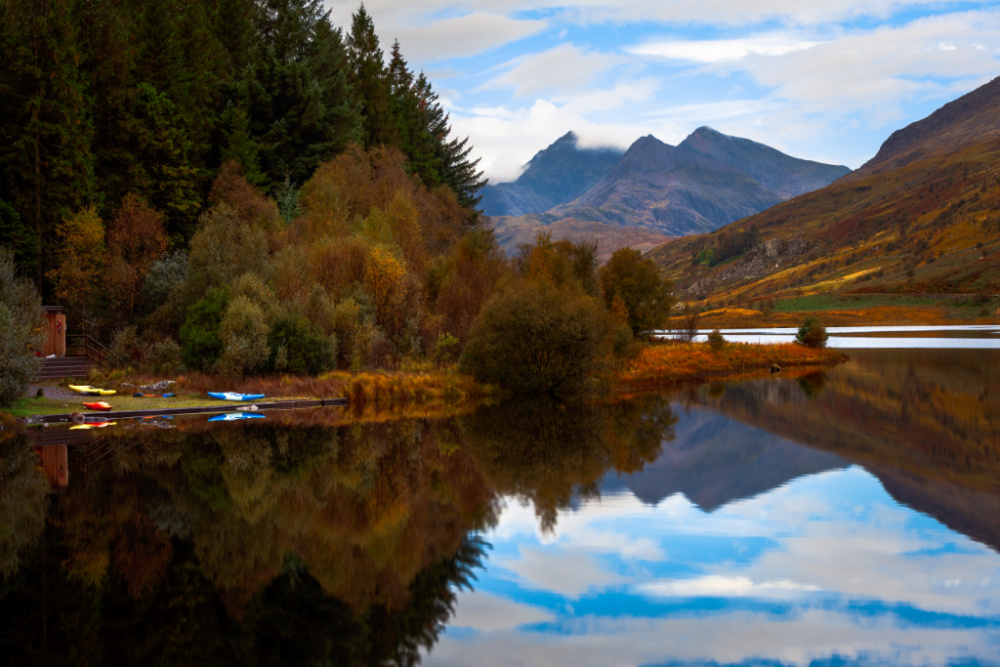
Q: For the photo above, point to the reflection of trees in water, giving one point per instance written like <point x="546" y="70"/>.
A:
<point x="547" y="452"/>
<point x="337" y="544"/>
<point x="292" y="621"/>
<point x="22" y="501"/>
<point x="371" y="523"/>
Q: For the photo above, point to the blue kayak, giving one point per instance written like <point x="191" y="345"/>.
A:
<point x="233" y="416"/>
<point x="233" y="396"/>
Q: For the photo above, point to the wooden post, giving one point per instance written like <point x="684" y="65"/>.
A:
<point x="55" y="321"/>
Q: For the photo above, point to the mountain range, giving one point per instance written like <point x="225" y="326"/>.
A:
<point x="920" y="216"/>
<point x="708" y="180"/>
<point x="558" y="174"/>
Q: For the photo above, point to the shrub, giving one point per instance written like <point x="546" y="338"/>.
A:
<point x="165" y="356"/>
<point x="537" y="339"/>
<point x="446" y="349"/>
<point x="716" y="340"/>
<point x="125" y="348"/>
<point x="243" y="333"/>
<point x="201" y="345"/>
<point x="811" y="334"/>
<point x="21" y="330"/>
<point x="297" y="348"/>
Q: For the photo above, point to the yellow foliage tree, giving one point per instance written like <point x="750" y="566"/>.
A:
<point x="81" y="262"/>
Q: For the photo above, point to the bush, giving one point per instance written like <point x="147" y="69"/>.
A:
<point x="537" y="339"/>
<point x="244" y="333"/>
<point x="297" y="348"/>
<point x="716" y="340"/>
<point x="811" y="334"/>
<point x="21" y="332"/>
<point x="446" y="349"/>
<point x="201" y="345"/>
<point x="165" y="357"/>
<point x="125" y="348"/>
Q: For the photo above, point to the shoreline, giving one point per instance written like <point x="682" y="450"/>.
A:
<point x="658" y="365"/>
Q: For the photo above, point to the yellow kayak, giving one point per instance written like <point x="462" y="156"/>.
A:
<point x="87" y="390"/>
<point x="92" y="425"/>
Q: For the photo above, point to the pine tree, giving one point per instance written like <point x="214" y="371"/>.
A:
<point x="295" y="92"/>
<point x="46" y="165"/>
<point x="370" y="80"/>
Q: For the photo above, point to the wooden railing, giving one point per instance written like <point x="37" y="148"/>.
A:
<point x="82" y="344"/>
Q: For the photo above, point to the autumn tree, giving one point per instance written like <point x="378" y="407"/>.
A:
<point x="77" y="278"/>
<point x="135" y="241"/>
<point x="535" y="338"/>
<point x="636" y="280"/>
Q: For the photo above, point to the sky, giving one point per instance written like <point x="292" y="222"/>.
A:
<point x="826" y="80"/>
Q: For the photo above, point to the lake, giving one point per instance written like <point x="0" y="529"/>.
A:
<point x="847" y="516"/>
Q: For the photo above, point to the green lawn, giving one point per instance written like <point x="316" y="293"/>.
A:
<point x="816" y="302"/>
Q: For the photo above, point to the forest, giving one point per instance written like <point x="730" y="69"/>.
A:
<point x="241" y="187"/>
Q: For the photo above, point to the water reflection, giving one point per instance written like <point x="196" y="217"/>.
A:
<point x="769" y="522"/>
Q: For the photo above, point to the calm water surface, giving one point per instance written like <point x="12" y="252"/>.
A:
<point x="840" y="517"/>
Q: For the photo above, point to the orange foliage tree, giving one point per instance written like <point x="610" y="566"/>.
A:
<point x="135" y="240"/>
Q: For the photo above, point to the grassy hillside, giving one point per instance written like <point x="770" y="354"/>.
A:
<point x="929" y="227"/>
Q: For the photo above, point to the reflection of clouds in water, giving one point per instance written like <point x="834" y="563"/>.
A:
<point x="571" y="574"/>
<point x="722" y="586"/>
<point x="731" y="638"/>
<point x="489" y="613"/>
<point x="830" y="539"/>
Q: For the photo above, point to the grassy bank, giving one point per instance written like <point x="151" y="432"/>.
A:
<point x="673" y="363"/>
<point x="426" y="387"/>
<point x="425" y="390"/>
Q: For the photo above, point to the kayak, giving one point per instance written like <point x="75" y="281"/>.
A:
<point x="100" y="405"/>
<point x="233" y="416"/>
<point x="137" y="394"/>
<point x="92" y="425"/>
<point x="233" y="396"/>
<point x="87" y="390"/>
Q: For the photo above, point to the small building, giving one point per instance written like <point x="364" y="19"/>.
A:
<point x="55" y="323"/>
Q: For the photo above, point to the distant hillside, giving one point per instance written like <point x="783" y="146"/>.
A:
<point x="524" y="230"/>
<point x="708" y="181"/>
<point x="919" y="217"/>
<point x="558" y="174"/>
<point x="970" y="119"/>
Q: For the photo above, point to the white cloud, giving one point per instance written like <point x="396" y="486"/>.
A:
<point x="726" y="12"/>
<point x="722" y="50"/>
<point x="878" y="69"/>
<point x="461" y="36"/>
<point x="563" y="68"/>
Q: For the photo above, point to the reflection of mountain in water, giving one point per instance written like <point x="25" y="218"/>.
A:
<point x="925" y="422"/>
<point x="714" y="460"/>
<point x="968" y="511"/>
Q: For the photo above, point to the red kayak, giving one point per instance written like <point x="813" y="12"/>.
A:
<point x="100" y="405"/>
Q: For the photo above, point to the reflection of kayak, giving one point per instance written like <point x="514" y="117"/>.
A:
<point x="87" y="390"/>
<point x="233" y="416"/>
<point x="100" y="405"/>
<point x="92" y="425"/>
<point x="233" y="396"/>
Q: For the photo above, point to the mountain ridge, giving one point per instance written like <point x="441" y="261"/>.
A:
<point x="708" y="180"/>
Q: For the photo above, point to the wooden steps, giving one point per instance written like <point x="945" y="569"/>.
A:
<point x="56" y="368"/>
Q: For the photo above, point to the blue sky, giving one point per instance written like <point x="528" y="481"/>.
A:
<point x="827" y="80"/>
